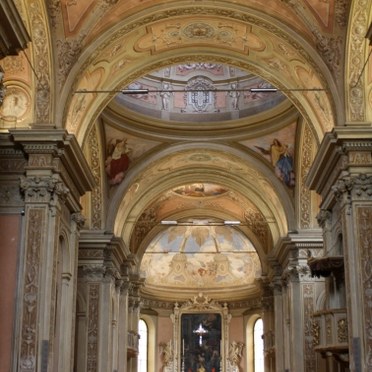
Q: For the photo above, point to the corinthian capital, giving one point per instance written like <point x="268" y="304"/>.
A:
<point x="353" y="186"/>
<point x="44" y="188"/>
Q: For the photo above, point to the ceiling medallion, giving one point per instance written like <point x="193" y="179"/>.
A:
<point x="199" y="31"/>
<point x="200" y="97"/>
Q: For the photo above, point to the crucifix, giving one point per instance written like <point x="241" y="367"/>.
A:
<point x="200" y="332"/>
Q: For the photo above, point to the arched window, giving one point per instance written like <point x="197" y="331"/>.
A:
<point x="142" y="346"/>
<point x="258" y="346"/>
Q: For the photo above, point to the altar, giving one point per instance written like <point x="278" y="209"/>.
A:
<point x="200" y="340"/>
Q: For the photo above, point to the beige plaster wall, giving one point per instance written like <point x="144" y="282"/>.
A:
<point x="9" y="249"/>
<point x="165" y="333"/>
<point x="237" y="334"/>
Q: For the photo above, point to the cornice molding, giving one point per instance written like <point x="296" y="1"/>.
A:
<point x="13" y="34"/>
<point x="341" y="150"/>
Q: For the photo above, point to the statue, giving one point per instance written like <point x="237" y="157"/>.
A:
<point x="165" y="96"/>
<point x="166" y="351"/>
<point x="235" y="355"/>
<point x="234" y="94"/>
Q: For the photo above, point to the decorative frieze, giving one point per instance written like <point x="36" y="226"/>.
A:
<point x="364" y="228"/>
<point x="42" y="66"/>
<point x="29" y="334"/>
<point x="360" y="158"/>
<point x="96" y="195"/>
<point x="308" y="303"/>
<point x="358" y="26"/>
<point x="93" y="334"/>
<point x="91" y="254"/>
<point x="306" y="161"/>
<point x="12" y="161"/>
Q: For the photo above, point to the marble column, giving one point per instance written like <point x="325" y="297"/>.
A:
<point x="134" y="304"/>
<point x="102" y="280"/>
<point x="342" y="175"/>
<point x="279" y="324"/>
<point x="295" y="296"/>
<point x="123" y="326"/>
<point x="268" y="318"/>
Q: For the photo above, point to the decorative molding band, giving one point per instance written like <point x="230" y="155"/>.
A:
<point x="364" y="231"/>
<point x="29" y="332"/>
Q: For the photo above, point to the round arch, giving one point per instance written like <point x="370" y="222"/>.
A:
<point x="298" y="69"/>
<point x="224" y="165"/>
<point x="262" y="251"/>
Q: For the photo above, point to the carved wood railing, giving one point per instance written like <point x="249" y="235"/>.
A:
<point x="330" y="333"/>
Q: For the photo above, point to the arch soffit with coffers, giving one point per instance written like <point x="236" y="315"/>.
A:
<point x="119" y="59"/>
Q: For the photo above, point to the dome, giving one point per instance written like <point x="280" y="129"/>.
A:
<point x="198" y="92"/>
<point x="200" y="254"/>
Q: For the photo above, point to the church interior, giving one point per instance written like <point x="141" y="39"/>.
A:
<point x="186" y="185"/>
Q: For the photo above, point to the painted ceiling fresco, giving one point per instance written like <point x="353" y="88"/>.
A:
<point x="122" y="149"/>
<point x="279" y="149"/>
<point x="200" y="256"/>
<point x="199" y="91"/>
<point x="200" y="190"/>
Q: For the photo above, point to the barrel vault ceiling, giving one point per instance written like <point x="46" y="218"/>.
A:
<point x="203" y="149"/>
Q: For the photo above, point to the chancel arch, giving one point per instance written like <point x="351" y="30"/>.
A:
<point x="258" y="38"/>
<point x="208" y="166"/>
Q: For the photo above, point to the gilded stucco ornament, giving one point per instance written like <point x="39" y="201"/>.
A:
<point x="355" y="92"/>
<point x="42" y="65"/>
<point x="94" y="150"/>
<point x="306" y="161"/>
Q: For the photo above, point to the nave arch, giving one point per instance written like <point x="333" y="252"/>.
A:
<point x="277" y="54"/>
